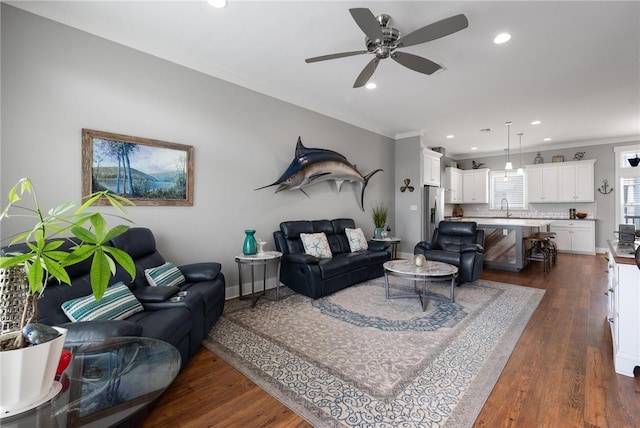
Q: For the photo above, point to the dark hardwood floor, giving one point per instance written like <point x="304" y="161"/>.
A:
<point x="559" y="375"/>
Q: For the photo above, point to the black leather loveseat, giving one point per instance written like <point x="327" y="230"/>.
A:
<point x="183" y="324"/>
<point x="458" y="243"/>
<point x="315" y="277"/>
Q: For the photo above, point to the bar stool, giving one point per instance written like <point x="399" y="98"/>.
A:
<point x="550" y="244"/>
<point x="537" y="250"/>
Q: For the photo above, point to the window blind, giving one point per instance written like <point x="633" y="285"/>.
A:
<point x="513" y="189"/>
<point x="631" y="200"/>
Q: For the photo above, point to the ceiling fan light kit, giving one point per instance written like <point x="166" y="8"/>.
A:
<point x="382" y="40"/>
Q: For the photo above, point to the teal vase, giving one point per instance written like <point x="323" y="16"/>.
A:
<point x="249" y="248"/>
<point x="539" y="159"/>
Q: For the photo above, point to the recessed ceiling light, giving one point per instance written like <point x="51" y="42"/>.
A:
<point x="547" y="139"/>
<point x="449" y="136"/>
<point x="536" y="122"/>
<point x="502" y="38"/>
<point x="474" y="148"/>
<point x="219" y="4"/>
<point x="370" y="85"/>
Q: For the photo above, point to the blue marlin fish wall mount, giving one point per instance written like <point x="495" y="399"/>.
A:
<point x="310" y="166"/>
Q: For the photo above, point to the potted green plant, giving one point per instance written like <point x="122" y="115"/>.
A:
<point x="379" y="215"/>
<point x="46" y="259"/>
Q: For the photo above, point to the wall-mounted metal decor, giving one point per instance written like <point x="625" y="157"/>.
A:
<point x="406" y="186"/>
<point x="603" y="189"/>
<point x="313" y="165"/>
<point x="148" y="172"/>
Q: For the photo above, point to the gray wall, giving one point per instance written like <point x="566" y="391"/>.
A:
<point x="408" y="153"/>
<point x="57" y="80"/>
<point x="604" y="206"/>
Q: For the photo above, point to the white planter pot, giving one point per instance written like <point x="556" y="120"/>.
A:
<point x="28" y="375"/>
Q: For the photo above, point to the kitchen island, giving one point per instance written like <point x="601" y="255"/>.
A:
<point x="623" y="297"/>
<point x="504" y="239"/>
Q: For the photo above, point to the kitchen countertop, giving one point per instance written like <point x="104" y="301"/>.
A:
<point x="625" y="254"/>
<point x="530" y="222"/>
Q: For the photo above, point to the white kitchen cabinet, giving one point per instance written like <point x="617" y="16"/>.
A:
<point x="542" y="183"/>
<point x="561" y="182"/>
<point x="576" y="182"/>
<point x="475" y="186"/>
<point x="453" y="190"/>
<point x="576" y="236"/>
<point x="623" y="295"/>
<point x="431" y="168"/>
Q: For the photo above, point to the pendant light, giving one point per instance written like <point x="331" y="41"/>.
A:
<point x="508" y="165"/>
<point x="505" y="178"/>
<point x="520" y="170"/>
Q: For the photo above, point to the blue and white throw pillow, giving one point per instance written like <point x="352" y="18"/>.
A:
<point x="316" y="244"/>
<point x="165" y="275"/>
<point x="117" y="303"/>
<point x="357" y="240"/>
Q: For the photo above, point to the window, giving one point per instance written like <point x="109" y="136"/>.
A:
<point x="628" y="191"/>
<point x="510" y="186"/>
<point x="631" y="200"/>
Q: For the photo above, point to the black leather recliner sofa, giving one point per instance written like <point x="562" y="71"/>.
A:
<point x="183" y="324"/>
<point x="458" y="243"/>
<point x="316" y="277"/>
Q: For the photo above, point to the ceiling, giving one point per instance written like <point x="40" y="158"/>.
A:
<point x="575" y="66"/>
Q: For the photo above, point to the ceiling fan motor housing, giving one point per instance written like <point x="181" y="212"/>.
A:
<point x="383" y="48"/>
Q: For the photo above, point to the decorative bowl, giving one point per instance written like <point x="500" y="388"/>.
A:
<point x="581" y="215"/>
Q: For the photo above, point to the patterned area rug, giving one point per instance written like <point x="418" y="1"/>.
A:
<point x="356" y="359"/>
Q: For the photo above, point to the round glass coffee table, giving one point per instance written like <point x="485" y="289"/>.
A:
<point x="421" y="275"/>
<point x="107" y="382"/>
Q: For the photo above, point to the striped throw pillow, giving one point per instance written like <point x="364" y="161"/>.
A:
<point x="164" y="275"/>
<point x="117" y="303"/>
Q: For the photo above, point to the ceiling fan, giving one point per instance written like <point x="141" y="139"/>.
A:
<point x="383" y="40"/>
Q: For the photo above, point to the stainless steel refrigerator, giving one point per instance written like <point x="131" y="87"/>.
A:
<point x="433" y="210"/>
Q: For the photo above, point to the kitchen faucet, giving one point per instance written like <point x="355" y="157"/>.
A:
<point x="502" y="206"/>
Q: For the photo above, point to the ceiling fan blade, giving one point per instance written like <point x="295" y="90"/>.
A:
<point x="367" y="23"/>
<point x="366" y="73"/>
<point x="434" y="31"/>
<point x="334" y="56"/>
<point x="416" y="63"/>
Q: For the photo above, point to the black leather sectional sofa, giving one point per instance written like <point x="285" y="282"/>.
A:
<point x="316" y="277"/>
<point x="183" y="323"/>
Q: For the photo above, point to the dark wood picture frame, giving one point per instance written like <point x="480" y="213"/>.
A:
<point x="148" y="172"/>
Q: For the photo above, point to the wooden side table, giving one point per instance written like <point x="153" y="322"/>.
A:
<point x="393" y="242"/>
<point x="260" y="259"/>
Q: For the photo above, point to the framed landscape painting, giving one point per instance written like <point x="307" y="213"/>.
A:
<point x="148" y="172"/>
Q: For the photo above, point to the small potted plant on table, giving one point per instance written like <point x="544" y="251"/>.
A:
<point x="379" y="215"/>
